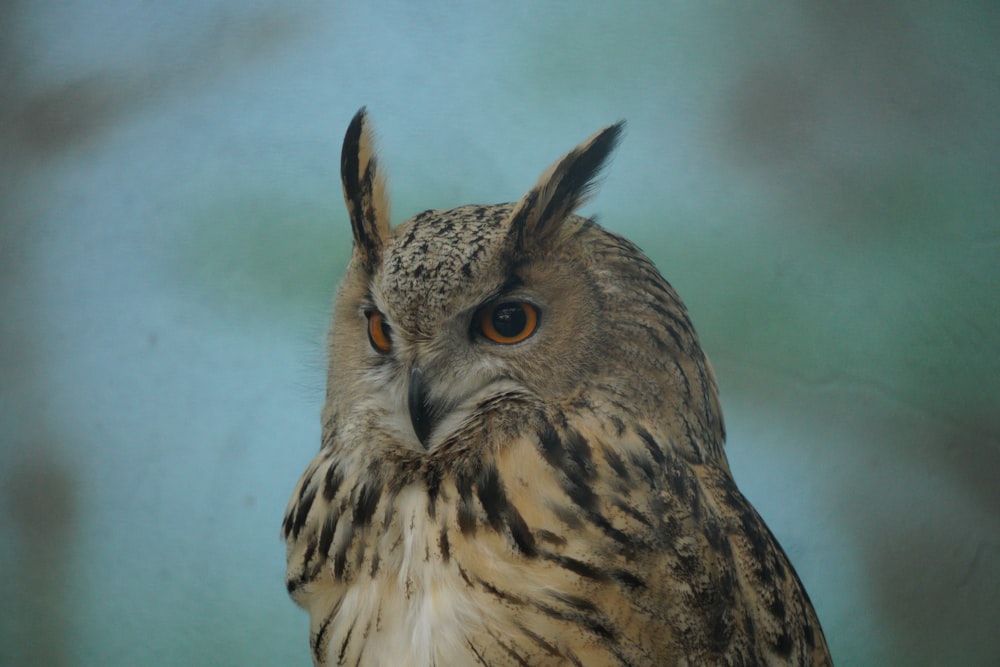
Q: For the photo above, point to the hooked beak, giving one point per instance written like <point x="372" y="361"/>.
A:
<point x="423" y="414"/>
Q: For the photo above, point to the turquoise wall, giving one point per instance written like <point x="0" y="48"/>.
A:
<point x="818" y="180"/>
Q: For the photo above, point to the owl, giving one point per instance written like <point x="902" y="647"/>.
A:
<point x="522" y="452"/>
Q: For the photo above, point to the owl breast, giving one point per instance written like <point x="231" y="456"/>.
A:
<point x="406" y="607"/>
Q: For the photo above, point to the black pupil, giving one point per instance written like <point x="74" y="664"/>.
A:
<point x="509" y="319"/>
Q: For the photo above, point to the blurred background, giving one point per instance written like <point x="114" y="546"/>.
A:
<point x="819" y="180"/>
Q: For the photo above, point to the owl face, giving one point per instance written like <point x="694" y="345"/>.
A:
<point x="450" y="309"/>
<point x="453" y="307"/>
<point x="449" y="317"/>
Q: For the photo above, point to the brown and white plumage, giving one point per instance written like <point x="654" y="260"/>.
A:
<point x="558" y="500"/>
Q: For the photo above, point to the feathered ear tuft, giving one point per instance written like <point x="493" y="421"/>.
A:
<point x="563" y="188"/>
<point x="364" y="191"/>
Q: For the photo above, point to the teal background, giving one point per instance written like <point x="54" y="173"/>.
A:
<point x="819" y="180"/>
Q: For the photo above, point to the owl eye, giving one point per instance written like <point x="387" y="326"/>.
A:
<point x="379" y="333"/>
<point x="507" y="322"/>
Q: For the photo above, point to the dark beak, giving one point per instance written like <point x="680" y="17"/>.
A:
<point x="423" y="414"/>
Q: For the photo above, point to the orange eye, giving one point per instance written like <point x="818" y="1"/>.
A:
<point x="379" y="333"/>
<point x="508" y="322"/>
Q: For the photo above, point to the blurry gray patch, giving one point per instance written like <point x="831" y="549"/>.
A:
<point x="52" y="119"/>
<point x="773" y="114"/>
<point x="867" y="111"/>
<point x="40" y="498"/>
<point x="39" y="121"/>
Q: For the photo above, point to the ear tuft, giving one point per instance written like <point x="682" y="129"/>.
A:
<point x="364" y="191"/>
<point x="563" y="188"/>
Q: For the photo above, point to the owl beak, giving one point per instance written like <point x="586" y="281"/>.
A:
<point x="423" y="414"/>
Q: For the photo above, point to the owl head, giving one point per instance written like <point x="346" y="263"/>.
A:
<point x="453" y="308"/>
